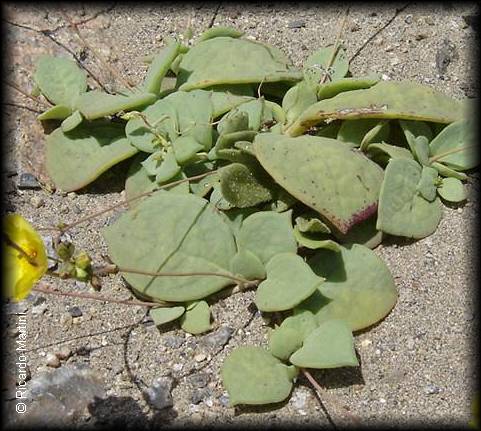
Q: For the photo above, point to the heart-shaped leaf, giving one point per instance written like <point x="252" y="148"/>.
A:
<point x="289" y="282"/>
<point x="266" y="234"/>
<point x="247" y="265"/>
<point x="196" y="319"/>
<point x="402" y="210"/>
<point x="152" y="237"/>
<point x="287" y="338"/>
<point x="452" y="190"/>
<point x="252" y="375"/>
<point x="331" y="345"/>
<point x="358" y="287"/>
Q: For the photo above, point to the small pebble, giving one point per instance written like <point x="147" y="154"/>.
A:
<point x="431" y="389"/>
<point x="200" y="357"/>
<point x="63" y="353"/>
<point x="75" y="311"/>
<point x="218" y="338"/>
<point x="27" y="181"/>
<point x="177" y="367"/>
<point x="199" y="395"/>
<point x="51" y="360"/>
<point x="224" y="399"/>
<point x="366" y="342"/>
<point x="200" y="380"/>
<point x="382" y="401"/>
<point x="408" y="19"/>
<point x="159" y="394"/>
<point x="421" y="36"/>
<point x="39" y="309"/>
<point x="296" y="24"/>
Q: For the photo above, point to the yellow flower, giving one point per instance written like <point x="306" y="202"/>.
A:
<point x="25" y="259"/>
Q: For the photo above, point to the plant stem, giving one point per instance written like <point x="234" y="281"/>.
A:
<point x="101" y="298"/>
<point x="323" y="395"/>
<point x="65" y="228"/>
<point x="335" y="49"/>
<point x="113" y="269"/>
<point x="447" y="153"/>
<point x="232" y="277"/>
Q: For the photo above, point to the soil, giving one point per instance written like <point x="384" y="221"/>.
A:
<point x="417" y="365"/>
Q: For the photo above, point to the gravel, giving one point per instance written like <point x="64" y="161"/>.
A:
<point x="424" y="344"/>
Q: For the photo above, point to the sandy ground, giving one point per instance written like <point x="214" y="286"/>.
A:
<point x="417" y="365"/>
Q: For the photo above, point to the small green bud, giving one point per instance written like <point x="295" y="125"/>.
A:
<point x="83" y="261"/>
<point x="65" y="250"/>
<point x="81" y="274"/>
<point x="66" y="270"/>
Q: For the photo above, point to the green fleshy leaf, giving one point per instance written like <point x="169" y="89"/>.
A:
<point x="385" y="100"/>
<point x="245" y="185"/>
<point x="57" y="112"/>
<point x="266" y="233"/>
<point x="331" y="89"/>
<point x="97" y="104"/>
<point x="71" y="122"/>
<point x="159" y="67"/>
<point x="402" y="210"/>
<point x="287" y="338"/>
<point x="196" y="319"/>
<point x="252" y="375"/>
<point x="314" y="241"/>
<point x="358" y="287"/>
<point x="448" y="172"/>
<point x="162" y="315"/>
<point x="289" y="282"/>
<point x="338" y="182"/>
<point x="321" y="62"/>
<point x="152" y="237"/>
<point x="452" y="190"/>
<point x="427" y="183"/>
<point x="456" y="146"/>
<point x="309" y="222"/>
<point x="216" y="61"/>
<point x="220" y="31"/>
<point x="59" y="79"/>
<point x="77" y="158"/>
<point x="331" y="345"/>
<point x="247" y="265"/>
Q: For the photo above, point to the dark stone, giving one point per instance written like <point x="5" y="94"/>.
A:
<point x="27" y="181"/>
<point x="173" y="341"/>
<point x="75" y="311"/>
<point x="296" y="24"/>
<point x="199" y="395"/>
<point x="200" y="380"/>
<point x="218" y="338"/>
<point x="159" y="394"/>
<point x="446" y="53"/>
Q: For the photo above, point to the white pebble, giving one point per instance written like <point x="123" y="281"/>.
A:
<point x="51" y="360"/>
